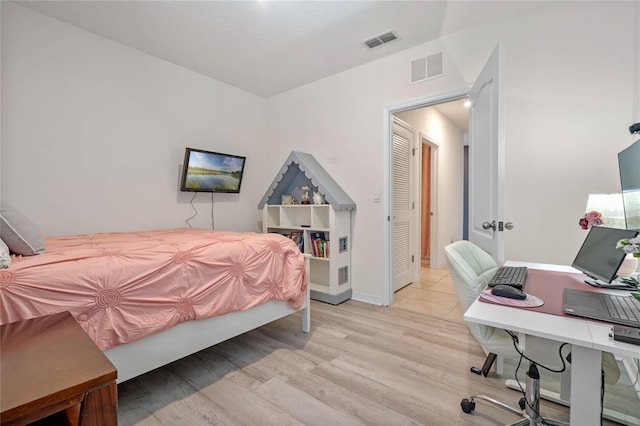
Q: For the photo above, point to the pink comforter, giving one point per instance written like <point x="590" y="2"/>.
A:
<point x="123" y="286"/>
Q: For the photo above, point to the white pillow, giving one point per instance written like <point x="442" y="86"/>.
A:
<point x="18" y="232"/>
<point x="5" y="256"/>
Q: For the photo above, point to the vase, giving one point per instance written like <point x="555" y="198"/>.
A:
<point x="629" y="266"/>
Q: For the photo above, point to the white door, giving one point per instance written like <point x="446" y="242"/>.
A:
<point x="486" y="157"/>
<point x="403" y="144"/>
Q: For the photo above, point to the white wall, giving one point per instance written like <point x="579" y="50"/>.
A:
<point x="569" y="100"/>
<point x="449" y="205"/>
<point x="94" y="132"/>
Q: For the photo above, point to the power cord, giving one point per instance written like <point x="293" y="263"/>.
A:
<point x="212" y="220"/>
<point x="213" y="225"/>
<point x="514" y="337"/>
<point x="194" y="209"/>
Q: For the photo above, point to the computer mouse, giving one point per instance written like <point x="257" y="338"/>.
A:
<point x="508" y="291"/>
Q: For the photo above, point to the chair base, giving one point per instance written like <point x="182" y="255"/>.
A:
<point x="555" y="397"/>
<point x="529" y="404"/>
<point x="468" y="405"/>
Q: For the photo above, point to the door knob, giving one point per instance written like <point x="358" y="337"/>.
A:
<point x="487" y="225"/>
<point x="509" y="226"/>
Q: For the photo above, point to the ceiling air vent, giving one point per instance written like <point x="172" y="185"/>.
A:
<point x="380" y="39"/>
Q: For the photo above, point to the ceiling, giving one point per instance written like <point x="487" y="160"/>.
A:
<point x="456" y="112"/>
<point x="269" y="47"/>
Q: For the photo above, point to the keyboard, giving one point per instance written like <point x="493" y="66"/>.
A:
<point x="622" y="307"/>
<point x="514" y="276"/>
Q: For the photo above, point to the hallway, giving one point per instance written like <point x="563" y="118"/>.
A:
<point x="433" y="295"/>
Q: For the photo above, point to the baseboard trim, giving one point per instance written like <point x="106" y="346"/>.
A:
<point x="367" y="298"/>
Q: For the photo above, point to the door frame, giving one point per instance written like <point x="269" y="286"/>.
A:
<point x="388" y="111"/>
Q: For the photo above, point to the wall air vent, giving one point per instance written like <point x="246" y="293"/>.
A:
<point x="434" y="65"/>
<point x="425" y="68"/>
<point x="418" y="70"/>
<point x="380" y="39"/>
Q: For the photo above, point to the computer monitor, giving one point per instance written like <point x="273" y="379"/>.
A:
<point x="630" y="183"/>
<point x="598" y="258"/>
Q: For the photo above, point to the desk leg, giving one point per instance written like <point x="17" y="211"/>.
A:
<point x="586" y="365"/>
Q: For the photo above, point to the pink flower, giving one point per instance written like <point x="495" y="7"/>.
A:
<point x="593" y="218"/>
<point x="584" y="223"/>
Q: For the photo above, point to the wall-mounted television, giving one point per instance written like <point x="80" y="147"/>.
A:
<point x="207" y="171"/>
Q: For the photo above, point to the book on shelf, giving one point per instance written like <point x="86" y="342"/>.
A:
<point x="298" y="238"/>
<point x="319" y="244"/>
<point x="295" y="236"/>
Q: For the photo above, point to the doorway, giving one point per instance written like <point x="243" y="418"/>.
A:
<point x="429" y="116"/>
<point x="486" y="165"/>
<point x="440" y="127"/>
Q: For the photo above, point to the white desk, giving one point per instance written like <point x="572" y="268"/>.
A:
<point x="588" y="338"/>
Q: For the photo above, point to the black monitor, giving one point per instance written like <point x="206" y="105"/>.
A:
<point x="629" y="164"/>
<point x="598" y="257"/>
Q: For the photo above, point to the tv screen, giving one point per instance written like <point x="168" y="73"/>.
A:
<point x="207" y="171"/>
<point x="598" y="257"/>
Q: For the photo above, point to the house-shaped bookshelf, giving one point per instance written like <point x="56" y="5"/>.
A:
<point x="322" y="231"/>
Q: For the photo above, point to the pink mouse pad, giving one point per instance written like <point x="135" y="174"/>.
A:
<point x="530" y="302"/>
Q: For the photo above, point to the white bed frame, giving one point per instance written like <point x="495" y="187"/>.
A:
<point x="146" y="354"/>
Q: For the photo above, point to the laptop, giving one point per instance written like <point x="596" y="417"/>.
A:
<point x="623" y="310"/>
<point x="599" y="259"/>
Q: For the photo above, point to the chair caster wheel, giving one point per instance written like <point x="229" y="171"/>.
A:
<point x="467" y="405"/>
<point x="522" y="403"/>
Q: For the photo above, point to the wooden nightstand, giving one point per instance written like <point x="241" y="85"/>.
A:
<point x="51" y="367"/>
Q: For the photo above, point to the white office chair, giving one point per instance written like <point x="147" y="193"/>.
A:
<point x="471" y="269"/>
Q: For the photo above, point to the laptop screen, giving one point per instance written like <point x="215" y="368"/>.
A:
<point x="598" y="257"/>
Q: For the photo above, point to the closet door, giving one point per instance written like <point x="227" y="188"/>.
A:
<point x="403" y="172"/>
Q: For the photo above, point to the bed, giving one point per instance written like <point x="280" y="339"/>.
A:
<point x="149" y="298"/>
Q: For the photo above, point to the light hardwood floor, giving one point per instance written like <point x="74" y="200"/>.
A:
<point x="360" y="365"/>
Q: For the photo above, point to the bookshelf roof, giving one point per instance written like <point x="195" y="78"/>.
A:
<point x="302" y="169"/>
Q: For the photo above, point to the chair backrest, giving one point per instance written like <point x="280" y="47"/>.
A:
<point x="471" y="269"/>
